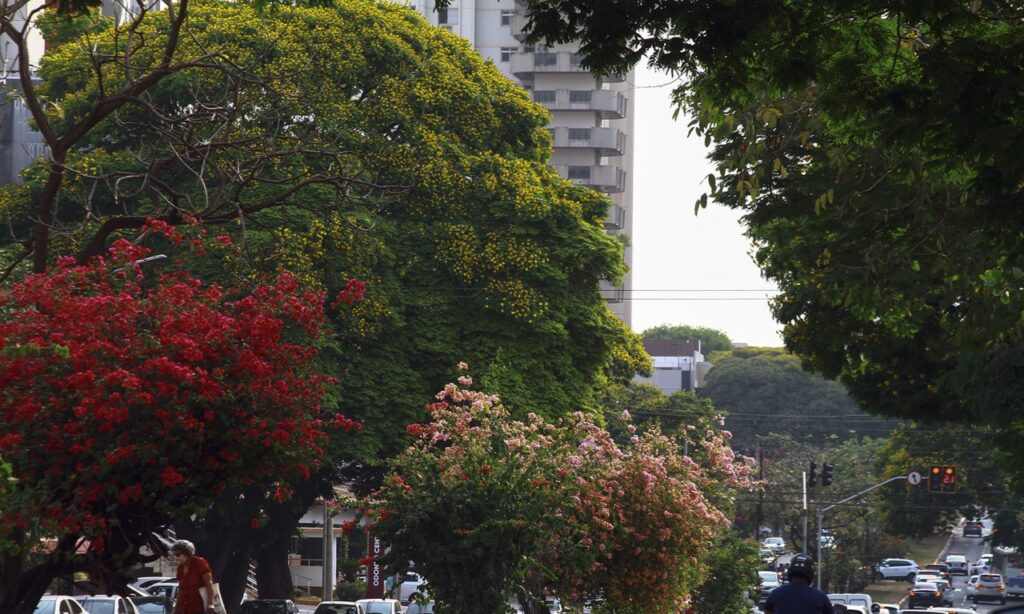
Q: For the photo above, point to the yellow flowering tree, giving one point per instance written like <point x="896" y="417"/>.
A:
<point x="353" y="141"/>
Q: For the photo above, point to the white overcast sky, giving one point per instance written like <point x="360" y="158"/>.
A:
<point x="675" y="250"/>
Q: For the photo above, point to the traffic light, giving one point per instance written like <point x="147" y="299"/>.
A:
<point x="826" y="474"/>
<point x="935" y="478"/>
<point x="812" y="476"/>
<point x="949" y="479"/>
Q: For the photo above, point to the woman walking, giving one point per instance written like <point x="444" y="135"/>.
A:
<point x="194" y="573"/>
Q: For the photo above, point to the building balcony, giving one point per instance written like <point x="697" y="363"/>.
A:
<point x="519" y="21"/>
<point x="612" y="294"/>
<point x="607" y="179"/>
<point x="606" y="103"/>
<point x="527" y="64"/>
<point x="605" y="141"/>
<point x="616" y="219"/>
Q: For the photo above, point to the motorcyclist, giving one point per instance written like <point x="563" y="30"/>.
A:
<point x="798" y="596"/>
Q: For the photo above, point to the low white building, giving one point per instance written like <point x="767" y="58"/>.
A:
<point x="678" y="365"/>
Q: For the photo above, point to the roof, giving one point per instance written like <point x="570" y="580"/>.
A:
<point x="672" y="347"/>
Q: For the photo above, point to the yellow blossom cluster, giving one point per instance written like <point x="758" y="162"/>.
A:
<point x="513" y="298"/>
<point x="504" y="253"/>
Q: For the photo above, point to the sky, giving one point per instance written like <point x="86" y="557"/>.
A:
<point x="678" y="255"/>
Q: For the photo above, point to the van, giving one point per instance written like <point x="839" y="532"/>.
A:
<point x="957" y="564"/>
<point x="862" y="600"/>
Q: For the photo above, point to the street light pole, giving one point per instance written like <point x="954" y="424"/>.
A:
<point x="822" y="510"/>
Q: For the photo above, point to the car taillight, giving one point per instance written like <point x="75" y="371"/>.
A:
<point x="938" y="594"/>
<point x="1000" y="587"/>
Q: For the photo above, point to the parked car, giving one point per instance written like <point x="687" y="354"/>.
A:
<point x="924" y="594"/>
<point x="896" y="569"/>
<point x="973" y="529"/>
<point x="268" y="606"/>
<point x="553" y="604"/>
<point x="167" y="588"/>
<point x="58" y="604"/>
<point x="338" y="607"/>
<point x="381" y="606"/>
<point x="957" y="564"/>
<point x="153" y="604"/>
<point x="410" y="586"/>
<point x="147" y="581"/>
<point x="775" y="544"/>
<point x="107" y="604"/>
<point x="888" y="608"/>
<point x="990" y="587"/>
<point x="415" y="608"/>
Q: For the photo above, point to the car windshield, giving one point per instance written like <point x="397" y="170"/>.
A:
<point x="990" y="577"/>
<point x="769" y="576"/>
<point x="98" y="606"/>
<point x="45" y="606"/>
<point x="151" y="607"/>
<point x="926" y="586"/>
<point x="377" y="608"/>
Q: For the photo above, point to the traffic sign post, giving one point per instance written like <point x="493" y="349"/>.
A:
<point x="821" y="516"/>
<point x="913" y="478"/>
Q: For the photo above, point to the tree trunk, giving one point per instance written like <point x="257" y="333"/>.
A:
<point x="272" y="573"/>
<point x="20" y="588"/>
<point x="44" y="215"/>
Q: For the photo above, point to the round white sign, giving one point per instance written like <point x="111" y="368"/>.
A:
<point x="914" y="478"/>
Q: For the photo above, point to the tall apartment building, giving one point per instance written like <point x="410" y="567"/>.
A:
<point x="591" y="119"/>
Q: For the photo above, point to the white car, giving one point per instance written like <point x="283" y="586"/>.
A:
<point x="982" y="565"/>
<point x="146" y="581"/>
<point x="957" y="564"/>
<point x="897" y="569"/>
<point x="338" y="607"/>
<point x="380" y="606"/>
<point x="972" y="587"/>
<point x="58" y="604"/>
<point x="775" y="544"/>
<point x="107" y="604"/>
<point x="410" y="587"/>
<point x="167" y="588"/>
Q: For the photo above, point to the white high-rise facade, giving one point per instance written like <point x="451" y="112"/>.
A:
<point x="591" y="119"/>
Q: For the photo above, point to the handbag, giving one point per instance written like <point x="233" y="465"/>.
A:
<point x="218" y="601"/>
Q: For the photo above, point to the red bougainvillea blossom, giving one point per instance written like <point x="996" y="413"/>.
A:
<point x="130" y="398"/>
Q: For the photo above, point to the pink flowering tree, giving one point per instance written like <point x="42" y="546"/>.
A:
<point x="130" y="399"/>
<point x="488" y="506"/>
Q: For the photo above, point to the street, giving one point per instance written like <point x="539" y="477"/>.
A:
<point x="972" y="548"/>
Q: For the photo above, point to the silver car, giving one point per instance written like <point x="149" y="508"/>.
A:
<point x="990" y="587"/>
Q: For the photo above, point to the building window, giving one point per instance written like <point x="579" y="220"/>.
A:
<point x="506" y="17"/>
<point x="576" y="60"/>
<point x="506" y="53"/>
<point x="448" y="17"/>
<point x="579" y="172"/>
<point x="545" y="59"/>
<point x="580" y="96"/>
<point x="579" y="134"/>
<point x="544" y="96"/>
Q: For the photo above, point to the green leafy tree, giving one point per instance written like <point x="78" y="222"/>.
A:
<point x="983" y="484"/>
<point x="349" y="142"/>
<point x="712" y="340"/>
<point x="732" y="564"/>
<point x="870" y="147"/>
<point x="764" y="391"/>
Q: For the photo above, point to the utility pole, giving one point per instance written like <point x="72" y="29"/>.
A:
<point x="328" y="554"/>
<point x="805" y="511"/>
<point x="758" y="517"/>
<point x="822" y="510"/>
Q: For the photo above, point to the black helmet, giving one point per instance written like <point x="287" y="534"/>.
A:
<point x="801" y="565"/>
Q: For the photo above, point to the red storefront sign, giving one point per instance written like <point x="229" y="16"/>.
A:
<point x="374" y="573"/>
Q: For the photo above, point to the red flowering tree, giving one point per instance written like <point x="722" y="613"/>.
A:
<point x="488" y="506"/>
<point x="127" y="400"/>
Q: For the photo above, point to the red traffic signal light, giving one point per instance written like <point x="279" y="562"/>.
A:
<point x="942" y="478"/>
